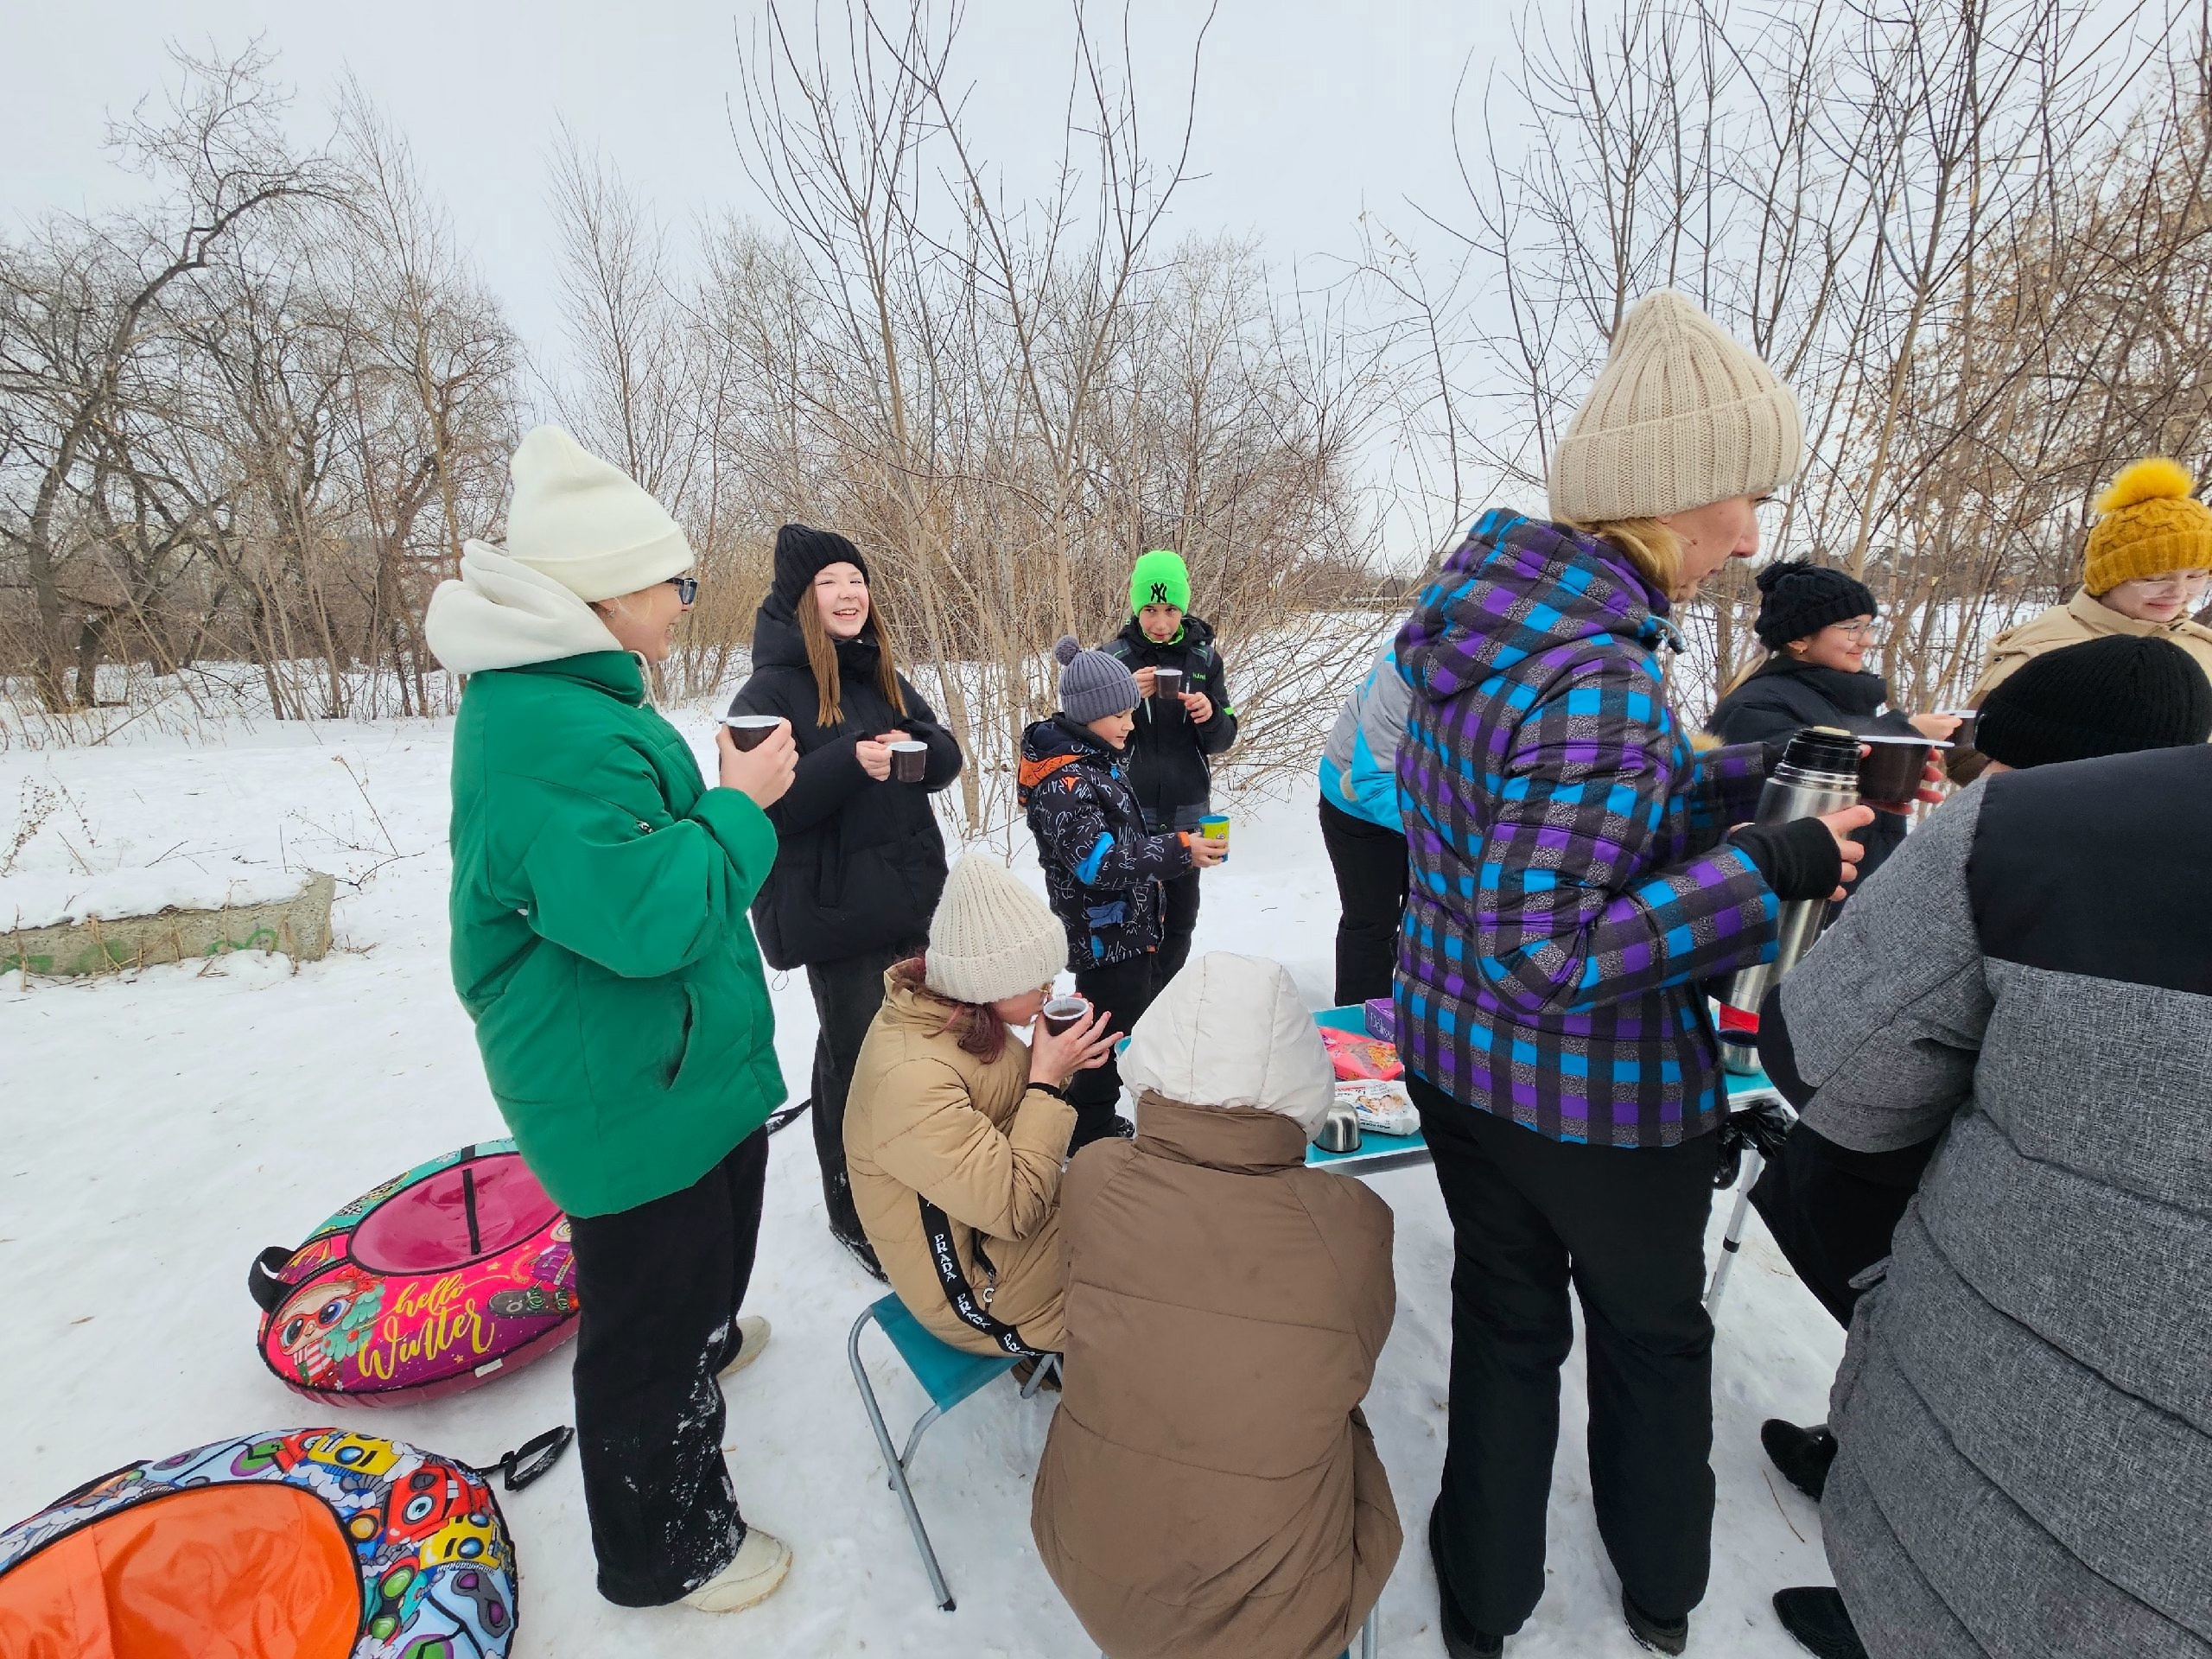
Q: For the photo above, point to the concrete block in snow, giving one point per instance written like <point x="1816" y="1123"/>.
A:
<point x="298" y="925"/>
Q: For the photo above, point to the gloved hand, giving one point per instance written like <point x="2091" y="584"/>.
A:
<point x="1798" y="860"/>
<point x="1761" y="1128"/>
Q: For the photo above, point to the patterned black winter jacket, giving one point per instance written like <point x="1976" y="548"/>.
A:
<point x="1102" y="870"/>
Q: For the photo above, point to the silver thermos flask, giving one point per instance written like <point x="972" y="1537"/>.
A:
<point x="1819" y="774"/>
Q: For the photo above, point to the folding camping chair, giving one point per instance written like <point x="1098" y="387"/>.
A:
<point x="948" y="1376"/>
<point x="1754" y="1164"/>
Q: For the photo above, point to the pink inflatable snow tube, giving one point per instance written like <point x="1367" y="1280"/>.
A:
<point x="433" y="1282"/>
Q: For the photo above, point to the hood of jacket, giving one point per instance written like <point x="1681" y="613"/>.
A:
<point x="1234" y="1033"/>
<point x="1519" y="586"/>
<point x="501" y="614"/>
<point x="1240" y="1139"/>
<point x="1195" y="631"/>
<point x="1860" y="693"/>
<point x="1056" y="741"/>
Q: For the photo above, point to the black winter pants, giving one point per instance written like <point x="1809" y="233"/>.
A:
<point x="1179" y="921"/>
<point x="1626" y="1228"/>
<point x="847" y="994"/>
<point x="661" y="1286"/>
<point x="1124" y="990"/>
<point x="1370" y="865"/>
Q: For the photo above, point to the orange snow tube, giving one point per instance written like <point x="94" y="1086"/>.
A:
<point x="306" y="1543"/>
<point x="247" y="1571"/>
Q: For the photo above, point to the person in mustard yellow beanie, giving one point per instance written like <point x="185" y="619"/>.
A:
<point x="2145" y="572"/>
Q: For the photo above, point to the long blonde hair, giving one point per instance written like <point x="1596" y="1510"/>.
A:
<point x="1653" y="547"/>
<point x="821" y="658"/>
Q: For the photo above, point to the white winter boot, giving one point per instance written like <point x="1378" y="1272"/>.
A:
<point x="759" y="1566"/>
<point x="753" y="1336"/>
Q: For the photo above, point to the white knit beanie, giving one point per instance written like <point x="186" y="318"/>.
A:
<point x="1681" y="415"/>
<point x="991" y="936"/>
<point x="587" y="524"/>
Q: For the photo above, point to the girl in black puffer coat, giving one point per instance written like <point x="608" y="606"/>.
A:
<point x="1815" y="623"/>
<point x="860" y="860"/>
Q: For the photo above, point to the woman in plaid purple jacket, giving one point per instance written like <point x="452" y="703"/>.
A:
<point x="1570" y="887"/>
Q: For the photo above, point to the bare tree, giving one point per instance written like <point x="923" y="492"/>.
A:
<point x="79" y="303"/>
<point x="1970" y="232"/>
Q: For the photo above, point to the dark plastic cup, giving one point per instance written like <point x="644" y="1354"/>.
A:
<point x="1168" y="683"/>
<point x="1892" y="769"/>
<point x="751" y="731"/>
<point x="1962" y="738"/>
<point x="1063" y="1013"/>
<point x="908" y="760"/>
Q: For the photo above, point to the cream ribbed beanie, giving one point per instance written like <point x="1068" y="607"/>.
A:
<point x="1681" y="415"/>
<point x="991" y="936"/>
<point x="587" y="524"/>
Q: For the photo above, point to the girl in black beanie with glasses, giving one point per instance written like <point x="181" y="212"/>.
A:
<point x="1816" y="624"/>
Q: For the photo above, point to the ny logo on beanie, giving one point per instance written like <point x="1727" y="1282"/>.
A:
<point x="1159" y="594"/>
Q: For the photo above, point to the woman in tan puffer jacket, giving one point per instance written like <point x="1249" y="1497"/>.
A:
<point x="1209" y="1489"/>
<point x="955" y="1134"/>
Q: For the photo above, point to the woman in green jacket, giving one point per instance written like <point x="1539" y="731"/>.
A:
<point x="601" y="944"/>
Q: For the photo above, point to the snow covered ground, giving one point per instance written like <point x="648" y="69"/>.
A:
<point x="160" y="1129"/>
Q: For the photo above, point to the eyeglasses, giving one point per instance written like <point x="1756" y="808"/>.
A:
<point x="1862" y="629"/>
<point x="687" y="587"/>
<point x="2175" y="581"/>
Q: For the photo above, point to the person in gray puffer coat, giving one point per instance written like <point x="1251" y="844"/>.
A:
<point x="2024" y="1410"/>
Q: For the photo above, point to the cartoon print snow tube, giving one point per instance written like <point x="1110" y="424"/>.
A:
<point x="314" y="1542"/>
<point x="432" y="1282"/>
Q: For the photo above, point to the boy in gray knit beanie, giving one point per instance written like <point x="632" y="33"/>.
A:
<point x="1102" y="869"/>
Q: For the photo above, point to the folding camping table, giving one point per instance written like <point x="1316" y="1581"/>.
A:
<point x="1380" y="1152"/>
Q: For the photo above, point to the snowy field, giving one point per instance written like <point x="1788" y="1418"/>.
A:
<point x="161" y="1127"/>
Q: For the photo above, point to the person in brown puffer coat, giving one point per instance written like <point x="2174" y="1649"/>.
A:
<point x="954" y="1131"/>
<point x="1209" y="1489"/>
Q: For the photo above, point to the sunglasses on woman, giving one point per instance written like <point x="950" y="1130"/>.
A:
<point x="687" y="587"/>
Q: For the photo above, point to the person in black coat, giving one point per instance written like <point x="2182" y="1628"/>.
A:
<point x="860" y="860"/>
<point x="1816" y="624"/>
<point x="1171" y="756"/>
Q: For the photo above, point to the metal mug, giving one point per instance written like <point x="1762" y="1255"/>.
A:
<point x="1339" y="1129"/>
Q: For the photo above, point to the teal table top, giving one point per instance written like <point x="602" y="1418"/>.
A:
<point x="1381" y="1152"/>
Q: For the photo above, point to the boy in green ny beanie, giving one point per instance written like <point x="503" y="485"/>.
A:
<point x="1171" y="752"/>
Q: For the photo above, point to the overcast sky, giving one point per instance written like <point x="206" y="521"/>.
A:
<point x="1310" y="111"/>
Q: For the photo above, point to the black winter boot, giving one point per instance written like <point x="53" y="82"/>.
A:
<point x="1803" y="1455"/>
<point x="862" y="1252"/>
<point x="1659" y="1636"/>
<point x="1461" y="1639"/>
<point x="1821" y="1622"/>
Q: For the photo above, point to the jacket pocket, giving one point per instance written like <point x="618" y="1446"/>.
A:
<point x="718" y="1030"/>
<point x="687" y="1040"/>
